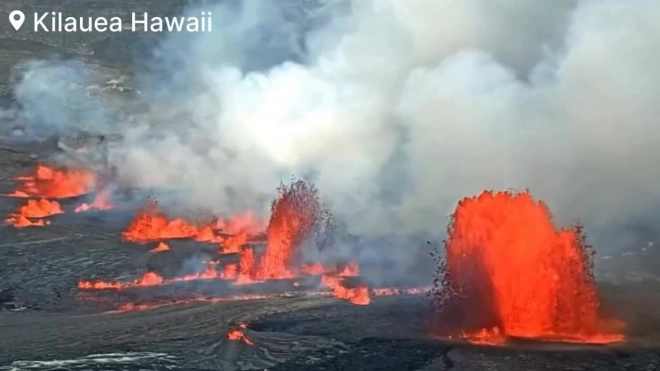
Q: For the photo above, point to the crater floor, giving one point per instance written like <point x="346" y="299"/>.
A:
<point x="61" y="328"/>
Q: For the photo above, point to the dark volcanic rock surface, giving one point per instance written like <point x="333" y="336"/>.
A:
<point x="118" y="49"/>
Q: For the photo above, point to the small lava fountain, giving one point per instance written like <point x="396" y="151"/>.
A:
<point x="55" y="183"/>
<point x="508" y="272"/>
<point x="237" y="334"/>
<point x="294" y="216"/>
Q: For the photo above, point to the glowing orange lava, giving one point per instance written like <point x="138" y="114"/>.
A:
<point x="237" y="334"/>
<point x="238" y="231"/>
<point x="52" y="183"/>
<point x="148" y="279"/>
<point x="246" y="266"/>
<point x="246" y="222"/>
<point x="150" y="224"/>
<point x="510" y="273"/>
<point x="34" y="209"/>
<point x="294" y="215"/>
<point x="162" y="246"/>
<point x="234" y="243"/>
<point x="154" y="279"/>
<point x="102" y="201"/>
<point x="358" y="295"/>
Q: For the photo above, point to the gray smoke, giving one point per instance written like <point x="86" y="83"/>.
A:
<point x="398" y="108"/>
<point x="59" y="97"/>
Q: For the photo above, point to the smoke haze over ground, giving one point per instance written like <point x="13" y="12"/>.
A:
<point x="398" y="108"/>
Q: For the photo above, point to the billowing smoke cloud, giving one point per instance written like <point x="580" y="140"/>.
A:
<point x="57" y="97"/>
<point x="398" y="108"/>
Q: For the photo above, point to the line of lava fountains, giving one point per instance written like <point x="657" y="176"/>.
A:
<point x="297" y="216"/>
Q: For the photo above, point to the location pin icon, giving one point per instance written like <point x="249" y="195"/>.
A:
<point x="16" y="18"/>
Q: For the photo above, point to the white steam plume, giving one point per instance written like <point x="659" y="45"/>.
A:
<point x="398" y="108"/>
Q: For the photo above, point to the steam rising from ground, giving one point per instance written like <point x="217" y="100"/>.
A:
<point x="398" y="108"/>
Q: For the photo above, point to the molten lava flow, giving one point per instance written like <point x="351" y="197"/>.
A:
<point x="350" y="270"/>
<point x="150" y="224"/>
<point x="40" y="209"/>
<point x="101" y="285"/>
<point x="230" y="272"/>
<point x="213" y="270"/>
<point x="358" y="295"/>
<point x="148" y="279"/>
<point x="34" y="209"/>
<point x="234" y="243"/>
<point x="154" y="279"/>
<point x="238" y="231"/>
<point x="247" y="223"/>
<point x="102" y="201"/>
<point x="293" y="218"/>
<point x="52" y="183"/>
<point x="295" y="214"/>
<point x="162" y="246"/>
<point x="22" y="222"/>
<point x="510" y="273"/>
<point x="246" y="266"/>
<point x="237" y="334"/>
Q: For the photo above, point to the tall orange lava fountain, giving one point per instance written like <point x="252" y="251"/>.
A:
<point x="294" y="216"/>
<point x="508" y="272"/>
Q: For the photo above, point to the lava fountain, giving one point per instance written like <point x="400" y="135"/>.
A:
<point x="152" y="225"/>
<point x="294" y="217"/>
<point x="507" y="272"/>
<point x="55" y="183"/>
<point x="237" y="334"/>
<point x="34" y="209"/>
